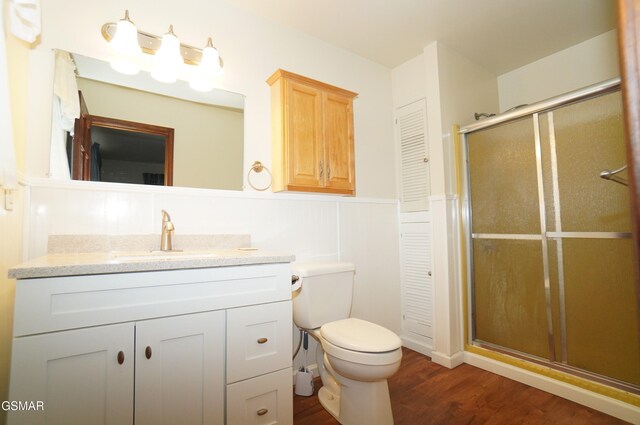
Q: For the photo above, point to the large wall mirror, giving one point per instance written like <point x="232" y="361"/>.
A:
<point x="137" y="130"/>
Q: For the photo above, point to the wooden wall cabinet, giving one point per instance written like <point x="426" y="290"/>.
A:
<point x="311" y="135"/>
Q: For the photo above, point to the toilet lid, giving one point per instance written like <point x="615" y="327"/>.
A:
<point x="359" y="335"/>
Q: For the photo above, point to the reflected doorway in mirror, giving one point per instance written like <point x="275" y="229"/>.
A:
<point x="118" y="151"/>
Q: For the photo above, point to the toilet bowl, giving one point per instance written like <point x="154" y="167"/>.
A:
<point x="354" y="357"/>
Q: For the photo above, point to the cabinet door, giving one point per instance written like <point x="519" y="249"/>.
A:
<point x="413" y="149"/>
<point x="267" y="399"/>
<point x="79" y="375"/>
<point x="338" y="143"/>
<point x="417" y="282"/>
<point x="180" y="370"/>
<point x="303" y="123"/>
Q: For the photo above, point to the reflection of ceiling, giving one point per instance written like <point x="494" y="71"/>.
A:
<point x="499" y="34"/>
<point x="128" y="146"/>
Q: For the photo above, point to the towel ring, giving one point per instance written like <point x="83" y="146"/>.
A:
<point x="258" y="167"/>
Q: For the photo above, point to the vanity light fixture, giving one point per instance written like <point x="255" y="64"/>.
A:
<point x="167" y="60"/>
<point x="125" y="47"/>
<point x="169" y="54"/>
<point x="209" y="68"/>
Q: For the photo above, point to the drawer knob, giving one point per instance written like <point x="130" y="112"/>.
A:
<point x="262" y="340"/>
<point x="120" y="357"/>
<point x="262" y="412"/>
<point x="148" y="352"/>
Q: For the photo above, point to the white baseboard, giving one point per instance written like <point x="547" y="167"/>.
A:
<point x="608" y="405"/>
<point x="448" y="361"/>
<point x="416" y="345"/>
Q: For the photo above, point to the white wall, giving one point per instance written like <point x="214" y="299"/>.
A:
<point x="409" y="82"/>
<point x="586" y="63"/>
<point x="252" y="48"/>
<point x="11" y="222"/>
<point x="10" y="254"/>
<point x="465" y="88"/>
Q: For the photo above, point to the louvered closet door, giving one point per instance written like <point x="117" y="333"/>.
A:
<point x="417" y="282"/>
<point x="411" y="127"/>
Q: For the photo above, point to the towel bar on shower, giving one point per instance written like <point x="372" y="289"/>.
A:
<point x="612" y="175"/>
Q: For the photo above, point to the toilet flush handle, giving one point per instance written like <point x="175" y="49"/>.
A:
<point x="296" y="283"/>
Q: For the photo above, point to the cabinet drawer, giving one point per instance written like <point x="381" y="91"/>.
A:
<point x="259" y="340"/>
<point x="267" y="399"/>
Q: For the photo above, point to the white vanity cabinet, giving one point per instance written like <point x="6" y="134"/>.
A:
<point x="154" y="347"/>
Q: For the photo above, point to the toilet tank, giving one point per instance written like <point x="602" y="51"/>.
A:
<point x="325" y="294"/>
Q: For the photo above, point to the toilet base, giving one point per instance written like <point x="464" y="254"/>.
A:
<point x="354" y="404"/>
<point x="330" y="402"/>
<point x="364" y="403"/>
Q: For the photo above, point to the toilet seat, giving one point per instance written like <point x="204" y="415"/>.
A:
<point x="363" y="358"/>
<point x="362" y="342"/>
<point x="359" y="335"/>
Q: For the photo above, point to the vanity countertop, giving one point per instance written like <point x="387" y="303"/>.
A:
<point x="88" y="263"/>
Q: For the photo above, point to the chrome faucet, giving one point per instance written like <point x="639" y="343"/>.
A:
<point x="167" y="231"/>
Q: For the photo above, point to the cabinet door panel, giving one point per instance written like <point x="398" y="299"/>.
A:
<point x="77" y="375"/>
<point x="267" y="399"/>
<point x="180" y="370"/>
<point x="259" y="340"/>
<point x="304" y="135"/>
<point x="338" y="138"/>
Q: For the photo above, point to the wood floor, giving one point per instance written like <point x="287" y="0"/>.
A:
<point x="424" y="393"/>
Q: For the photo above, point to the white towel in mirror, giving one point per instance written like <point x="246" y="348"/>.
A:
<point x="66" y="108"/>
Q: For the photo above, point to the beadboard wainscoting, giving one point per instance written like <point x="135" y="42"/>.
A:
<point x="313" y="227"/>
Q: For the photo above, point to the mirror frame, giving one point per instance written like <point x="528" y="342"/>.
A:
<point x="81" y="152"/>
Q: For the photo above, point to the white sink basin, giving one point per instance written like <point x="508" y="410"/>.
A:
<point x="163" y="255"/>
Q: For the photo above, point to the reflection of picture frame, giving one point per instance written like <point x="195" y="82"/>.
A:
<point x="81" y="150"/>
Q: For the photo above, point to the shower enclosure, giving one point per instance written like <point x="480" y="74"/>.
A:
<point x="548" y="251"/>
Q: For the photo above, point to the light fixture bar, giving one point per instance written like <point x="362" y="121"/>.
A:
<point x="150" y="43"/>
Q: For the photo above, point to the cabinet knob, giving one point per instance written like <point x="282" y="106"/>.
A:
<point x="429" y="273"/>
<point x="148" y="352"/>
<point x="262" y="340"/>
<point x="120" y="357"/>
<point x="262" y="412"/>
<point x="425" y="159"/>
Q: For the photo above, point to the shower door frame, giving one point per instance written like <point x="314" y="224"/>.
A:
<point x="467" y="236"/>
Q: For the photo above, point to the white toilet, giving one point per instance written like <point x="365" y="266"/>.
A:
<point x="354" y="357"/>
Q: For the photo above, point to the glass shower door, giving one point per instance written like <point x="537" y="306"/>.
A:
<point x="509" y="301"/>
<point x="551" y="256"/>
<point x="589" y="224"/>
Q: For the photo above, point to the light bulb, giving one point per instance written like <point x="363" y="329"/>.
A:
<point x="167" y="60"/>
<point x="209" y="68"/>
<point x="125" y="47"/>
